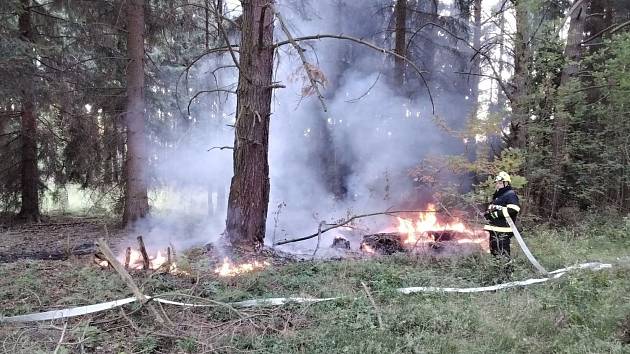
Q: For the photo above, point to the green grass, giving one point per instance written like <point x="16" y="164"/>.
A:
<point x="582" y="312"/>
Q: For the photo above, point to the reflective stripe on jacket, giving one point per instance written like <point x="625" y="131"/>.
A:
<point x="504" y="202"/>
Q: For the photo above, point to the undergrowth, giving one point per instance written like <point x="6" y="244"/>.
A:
<point x="582" y="312"/>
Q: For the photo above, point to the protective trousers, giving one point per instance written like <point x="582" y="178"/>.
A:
<point x="500" y="244"/>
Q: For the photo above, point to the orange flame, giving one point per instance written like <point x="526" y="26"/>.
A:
<point x="367" y="249"/>
<point x="159" y="261"/>
<point x="419" y="231"/>
<point x="228" y="269"/>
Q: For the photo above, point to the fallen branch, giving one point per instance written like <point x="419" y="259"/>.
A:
<point x="111" y="259"/>
<point x="347" y="221"/>
<point x="63" y="333"/>
<point x="376" y="310"/>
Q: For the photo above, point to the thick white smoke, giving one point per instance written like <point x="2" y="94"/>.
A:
<point x="370" y="133"/>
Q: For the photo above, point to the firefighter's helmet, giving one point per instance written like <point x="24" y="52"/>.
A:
<point x="503" y="177"/>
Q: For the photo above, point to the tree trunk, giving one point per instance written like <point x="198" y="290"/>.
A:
<point x="29" y="172"/>
<point x="474" y="93"/>
<point x="136" y="200"/>
<point x="518" y="100"/>
<point x="572" y="54"/>
<point x="249" y="190"/>
<point x="400" y="13"/>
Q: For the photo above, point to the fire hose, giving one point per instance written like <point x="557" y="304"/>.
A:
<point x="524" y="247"/>
<point x="88" y="309"/>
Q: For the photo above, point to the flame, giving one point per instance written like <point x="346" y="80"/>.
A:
<point x="421" y="230"/>
<point x="228" y="269"/>
<point x="367" y="249"/>
<point x="160" y="261"/>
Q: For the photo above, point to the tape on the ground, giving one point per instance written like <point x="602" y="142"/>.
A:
<point x="84" y="310"/>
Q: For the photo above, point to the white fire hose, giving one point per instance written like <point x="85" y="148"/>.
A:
<point x="521" y="243"/>
<point x="88" y="309"/>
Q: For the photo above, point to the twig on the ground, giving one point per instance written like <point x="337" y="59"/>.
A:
<point x="133" y="325"/>
<point x="376" y="310"/>
<point x="63" y="333"/>
<point x="109" y="255"/>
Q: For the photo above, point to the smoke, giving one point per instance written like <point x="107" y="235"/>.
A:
<point x="352" y="159"/>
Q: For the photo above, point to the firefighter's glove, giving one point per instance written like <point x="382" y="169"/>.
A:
<point x="493" y="212"/>
<point x="493" y="207"/>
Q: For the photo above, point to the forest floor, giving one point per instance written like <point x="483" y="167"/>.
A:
<point x="581" y="312"/>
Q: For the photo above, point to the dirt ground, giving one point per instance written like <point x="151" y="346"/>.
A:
<point x="55" y="237"/>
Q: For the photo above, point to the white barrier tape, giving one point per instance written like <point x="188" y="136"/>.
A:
<point x="84" y="310"/>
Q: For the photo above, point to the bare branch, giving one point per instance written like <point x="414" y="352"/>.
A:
<point x="613" y="28"/>
<point x="367" y="92"/>
<point x="349" y="220"/>
<point x="305" y="63"/>
<point x="225" y="37"/>
<point x="221" y="148"/>
<point x="207" y="91"/>
<point x="370" y="45"/>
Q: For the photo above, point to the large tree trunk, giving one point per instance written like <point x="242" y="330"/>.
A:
<point x="400" y="13"/>
<point x="572" y="54"/>
<point x="29" y="172"/>
<point x="520" y="111"/>
<point x="249" y="190"/>
<point x="136" y="200"/>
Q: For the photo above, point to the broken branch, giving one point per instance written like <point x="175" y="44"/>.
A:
<point x="349" y="220"/>
<point x="111" y="259"/>
<point x="143" y="251"/>
<point x="376" y="310"/>
<point x="370" y="45"/>
<point x="307" y="66"/>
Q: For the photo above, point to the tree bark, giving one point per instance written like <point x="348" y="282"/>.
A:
<point x="518" y="102"/>
<point x="249" y="190"/>
<point x="400" y="44"/>
<point x="29" y="171"/>
<point x="572" y="54"/>
<point x="136" y="200"/>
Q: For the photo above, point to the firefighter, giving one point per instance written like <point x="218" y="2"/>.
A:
<point x="504" y="203"/>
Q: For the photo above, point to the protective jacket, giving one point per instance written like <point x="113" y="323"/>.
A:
<point x="504" y="203"/>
